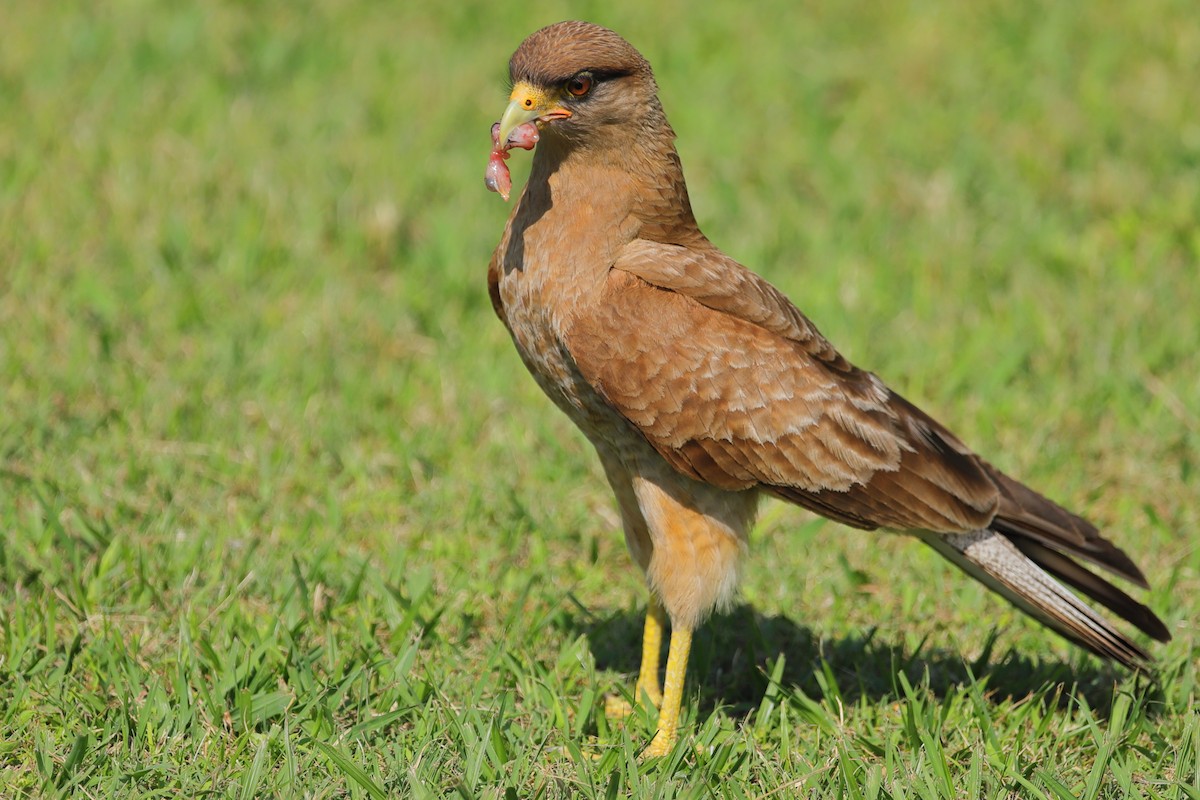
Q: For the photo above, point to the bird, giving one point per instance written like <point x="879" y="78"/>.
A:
<point x="703" y="389"/>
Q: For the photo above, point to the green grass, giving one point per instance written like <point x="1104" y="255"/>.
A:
<point x="283" y="515"/>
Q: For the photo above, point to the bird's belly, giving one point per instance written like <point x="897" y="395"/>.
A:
<point x="536" y="333"/>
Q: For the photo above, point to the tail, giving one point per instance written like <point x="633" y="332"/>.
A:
<point x="1031" y="577"/>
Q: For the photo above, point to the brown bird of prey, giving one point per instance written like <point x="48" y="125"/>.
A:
<point x="703" y="388"/>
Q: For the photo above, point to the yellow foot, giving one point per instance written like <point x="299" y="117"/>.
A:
<point x="649" y="693"/>
<point x="617" y="708"/>
<point x="660" y="745"/>
<point x="667" y="696"/>
<point x="668" y="715"/>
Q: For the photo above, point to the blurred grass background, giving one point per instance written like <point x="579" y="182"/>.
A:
<point x="283" y="515"/>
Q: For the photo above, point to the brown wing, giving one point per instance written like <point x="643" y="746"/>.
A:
<point x="727" y="396"/>
<point x="716" y="281"/>
<point x="733" y="385"/>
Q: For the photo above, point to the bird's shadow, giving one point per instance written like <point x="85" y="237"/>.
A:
<point x="733" y="655"/>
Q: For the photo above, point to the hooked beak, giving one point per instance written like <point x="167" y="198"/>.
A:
<point x="529" y="103"/>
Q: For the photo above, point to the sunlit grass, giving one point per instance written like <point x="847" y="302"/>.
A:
<point x="283" y="515"/>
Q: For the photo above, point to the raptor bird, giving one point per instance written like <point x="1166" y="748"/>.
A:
<point x="703" y="388"/>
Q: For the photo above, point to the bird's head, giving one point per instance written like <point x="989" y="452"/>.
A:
<point x="581" y="84"/>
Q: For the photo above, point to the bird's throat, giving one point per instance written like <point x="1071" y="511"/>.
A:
<point x="630" y="188"/>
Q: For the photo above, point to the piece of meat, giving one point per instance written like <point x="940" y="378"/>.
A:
<point x="523" y="136"/>
<point x="497" y="177"/>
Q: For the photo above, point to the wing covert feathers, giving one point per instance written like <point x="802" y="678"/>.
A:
<point x="735" y="402"/>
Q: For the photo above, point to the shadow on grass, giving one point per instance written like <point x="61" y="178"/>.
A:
<point x="733" y="654"/>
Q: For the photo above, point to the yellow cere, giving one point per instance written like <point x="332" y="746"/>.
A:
<point x="531" y="97"/>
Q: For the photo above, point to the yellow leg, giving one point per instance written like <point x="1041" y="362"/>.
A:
<point x="647" y="682"/>
<point x="668" y="713"/>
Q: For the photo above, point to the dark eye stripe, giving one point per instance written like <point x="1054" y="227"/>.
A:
<point x="599" y="75"/>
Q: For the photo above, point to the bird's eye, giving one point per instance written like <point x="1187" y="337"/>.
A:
<point x="580" y="85"/>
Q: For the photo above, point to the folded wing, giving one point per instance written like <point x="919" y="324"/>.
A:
<point x="733" y="386"/>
